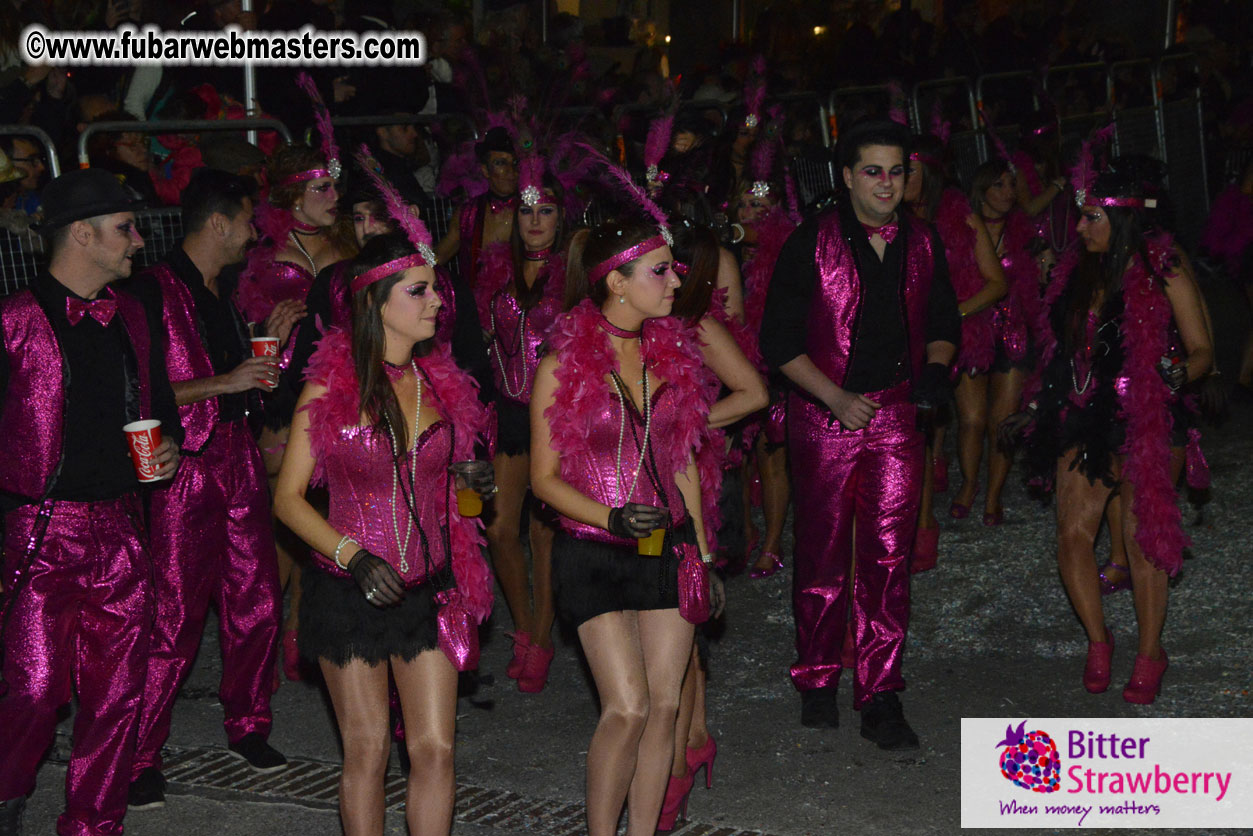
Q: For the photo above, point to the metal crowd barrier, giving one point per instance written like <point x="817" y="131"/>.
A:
<point x="54" y="163"/>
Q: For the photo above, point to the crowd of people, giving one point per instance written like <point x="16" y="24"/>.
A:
<point x="577" y="396"/>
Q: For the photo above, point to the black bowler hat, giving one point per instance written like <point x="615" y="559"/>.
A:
<point x="84" y="193"/>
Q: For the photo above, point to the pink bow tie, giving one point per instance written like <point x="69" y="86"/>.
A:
<point x="101" y="310"/>
<point x="887" y="232"/>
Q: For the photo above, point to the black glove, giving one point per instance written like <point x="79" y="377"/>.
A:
<point x="1175" y="374"/>
<point x="635" y="520"/>
<point x="482" y="482"/>
<point x="1012" y="428"/>
<point x="932" y="387"/>
<point x="1214" y="398"/>
<point x="378" y="580"/>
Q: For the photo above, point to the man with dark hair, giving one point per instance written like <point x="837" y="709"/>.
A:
<point x="78" y="360"/>
<point x="211" y="534"/>
<point x="488" y="218"/>
<point x="861" y="317"/>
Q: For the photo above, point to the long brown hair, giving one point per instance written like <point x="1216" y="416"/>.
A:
<point x="529" y="297"/>
<point x="374" y="389"/>
<point x="696" y="246"/>
<point x="590" y="247"/>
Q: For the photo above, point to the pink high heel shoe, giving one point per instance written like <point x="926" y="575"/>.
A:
<point x="702" y="756"/>
<point x="521" y="641"/>
<point x="1096" y="672"/>
<point x="776" y="565"/>
<point x="1146" y="680"/>
<point x="534" y="674"/>
<point x="675" y="804"/>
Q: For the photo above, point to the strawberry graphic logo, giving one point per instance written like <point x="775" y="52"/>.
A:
<point x="1030" y="759"/>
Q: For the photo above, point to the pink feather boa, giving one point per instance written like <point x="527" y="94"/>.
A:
<point x="977" y="346"/>
<point x="456" y="399"/>
<point x="1229" y="231"/>
<point x="1145" y="405"/>
<point x="670" y="348"/>
<point x="1046" y="348"/>
<point x="274" y="225"/>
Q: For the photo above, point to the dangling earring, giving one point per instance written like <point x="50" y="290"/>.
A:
<point x="621" y="300"/>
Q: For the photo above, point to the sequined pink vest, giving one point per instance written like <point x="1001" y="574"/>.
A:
<point x="32" y="413"/>
<point x="835" y="307"/>
<point x="186" y="357"/>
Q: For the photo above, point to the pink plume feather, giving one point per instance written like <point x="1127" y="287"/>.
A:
<point x="896" y="104"/>
<point x="1083" y="175"/>
<point x="658" y="142"/>
<point x="321" y="116"/>
<point x="625" y="181"/>
<point x="416" y="231"/>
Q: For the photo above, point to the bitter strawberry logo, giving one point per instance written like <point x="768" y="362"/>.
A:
<point x="1030" y="759"/>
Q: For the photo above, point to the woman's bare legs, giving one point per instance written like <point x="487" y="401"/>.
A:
<point x="972" y="421"/>
<point x="683" y="721"/>
<point x="637" y="660"/>
<point x="512" y="477"/>
<point x="286" y="544"/>
<point x="775" y="494"/>
<point x="1080" y="506"/>
<point x="1148" y="583"/>
<point x="1117" y="571"/>
<point x="1004" y="393"/>
<point x="359" y="697"/>
<point x="428" y="701"/>
<point x="543" y="610"/>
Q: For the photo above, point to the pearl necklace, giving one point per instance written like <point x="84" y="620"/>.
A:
<point x="296" y="240"/>
<point x="498" y="349"/>
<point x="413" y="470"/>
<point x="648" y="416"/>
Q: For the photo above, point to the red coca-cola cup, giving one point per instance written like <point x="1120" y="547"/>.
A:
<point x="144" y="437"/>
<point x="265" y="347"/>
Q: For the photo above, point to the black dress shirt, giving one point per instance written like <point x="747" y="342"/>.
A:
<point x="880" y="358"/>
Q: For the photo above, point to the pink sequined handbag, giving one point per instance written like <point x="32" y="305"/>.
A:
<point x="693" y="580"/>
<point x="458" y="634"/>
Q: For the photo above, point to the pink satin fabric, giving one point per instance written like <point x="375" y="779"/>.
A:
<point x="80" y="625"/>
<point x="871" y="477"/>
<point x="213" y="542"/>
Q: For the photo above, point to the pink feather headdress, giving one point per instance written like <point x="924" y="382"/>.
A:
<point x="630" y="187"/>
<point x="404" y="217"/>
<point x="755" y="92"/>
<point x="322" y="118"/>
<point x="940" y="127"/>
<point x="896" y="104"/>
<point x="531" y="177"/>
<point x="655" y="147"/>
<point x="1083" y="175"/>
<point x="764" y="150"/>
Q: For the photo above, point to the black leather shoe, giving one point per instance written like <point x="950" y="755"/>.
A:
<point x="819" y="709"/>
<point x="11" y="816"/>
<point x="260" y="755"/>
<point x="147" y="791"/>
<point x="883" y="721"/>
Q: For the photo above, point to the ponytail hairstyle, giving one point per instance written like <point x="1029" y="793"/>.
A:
<point x="374" y="390"/>
<point x="589" y="248"/>
<point x="696" y="248"/>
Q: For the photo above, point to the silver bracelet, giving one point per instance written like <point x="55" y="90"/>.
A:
<point x="707" y="559"/>
<point x="342" y="542"/>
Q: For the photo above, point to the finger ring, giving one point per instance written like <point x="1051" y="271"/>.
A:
<point x="632" y="520"/>
<point x="369" y="596"/>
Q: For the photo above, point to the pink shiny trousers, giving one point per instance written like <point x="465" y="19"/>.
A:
<point x="857" y="494"/>
<point x="78" y="623"/>
<point x="213" y="543"/>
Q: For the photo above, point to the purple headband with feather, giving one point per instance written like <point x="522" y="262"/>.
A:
<point x="412" y="225"/>
<point x="322" y="118"/>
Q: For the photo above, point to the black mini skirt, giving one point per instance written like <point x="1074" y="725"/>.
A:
<point x="338" y="624"/>
<point x="591" y="579"/>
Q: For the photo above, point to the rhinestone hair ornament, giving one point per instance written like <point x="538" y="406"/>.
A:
<point x="322" y="118"/>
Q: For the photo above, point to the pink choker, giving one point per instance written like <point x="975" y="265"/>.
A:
<point x="301" y="226"/>
<point x="538" y="255"/>
<point x="616" y="331"/>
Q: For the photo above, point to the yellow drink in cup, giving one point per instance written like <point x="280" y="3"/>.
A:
<point x="650" y="546"/>
<point x="469" y="503"/>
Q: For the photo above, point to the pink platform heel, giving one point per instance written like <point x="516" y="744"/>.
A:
<point x="521" y="641"/>
<point x="1146" y="680"/>
<point x="702" y="756"/>
<point x="1096" y="673"/>
<point x="675" y="804"/>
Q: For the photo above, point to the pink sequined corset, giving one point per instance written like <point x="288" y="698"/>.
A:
<point x="360" y="476"/>
<point x="516" y="339"/>
<point x="592" y="470"/>
<point x="278" y="281"/>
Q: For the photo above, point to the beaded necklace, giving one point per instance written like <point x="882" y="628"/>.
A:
<point x="413" y="468"/>
<point x="648" y="416"/>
